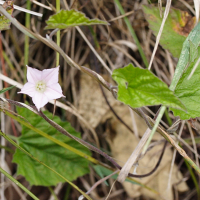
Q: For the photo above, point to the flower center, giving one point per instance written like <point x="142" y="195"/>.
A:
<point x="40" y="86"/>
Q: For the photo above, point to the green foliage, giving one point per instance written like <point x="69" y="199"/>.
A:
<point x="70" y="18"/>
<point x="4" y="22"/>
<point x="177" y="27"/>
<point x="193" y="52"/>
<point x="139" y="87"/>
<point x="6" y="89"/>
<point x="188" y="92"/>
<point x="65" y="162"/>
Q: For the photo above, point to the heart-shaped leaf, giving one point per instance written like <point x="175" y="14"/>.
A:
<point x="65" y="162"/>
<point x="139" y="87"/>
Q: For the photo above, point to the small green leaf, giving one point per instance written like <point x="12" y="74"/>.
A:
<point x="6" y="89"/>
<point x="139" y="87"/>
<point x="177" y="26"/>
<point x="70" y="18"/>
<point x="65" y="162"/>
<point x="4" y="22"/>
<point x="188" y="92"/>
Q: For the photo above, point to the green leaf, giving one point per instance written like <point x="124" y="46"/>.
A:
<point x="65" y="162"/>
<point x="188" y="92"/>
<point x="4" y="22"/>
<point x="139" y="87"/>
<point x="70" y="18"/>
<point x="193" y="51"/>
<point x="177" y="26"/>
<point x="6" y="89"/>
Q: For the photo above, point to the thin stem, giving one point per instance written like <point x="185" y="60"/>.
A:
<point x="18" y="183"/>
<point x="58" y="33"/>
<point x="174" y="156"/>
<point x="162" y="110"/>
<point x="132" y="33"/>
<point x="53" y="32"/>
<point x="26" y="43"/>
<point x="53" y="193"/>
<point x="98" y="183"/>
<point x="160" y="32"/>
<point x="168" y="118"/>
<point x="193" y="178"/>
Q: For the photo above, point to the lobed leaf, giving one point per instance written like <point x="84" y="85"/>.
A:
<point x="70" y="18"/>
<point x="177" y="26"/>
<point x="139" y="87"/>
<point x="65" y="162"/>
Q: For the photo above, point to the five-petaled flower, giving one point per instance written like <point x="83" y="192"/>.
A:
<point x="42" y="86"/>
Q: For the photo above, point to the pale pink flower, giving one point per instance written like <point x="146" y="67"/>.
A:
<point x="42" y="86"/>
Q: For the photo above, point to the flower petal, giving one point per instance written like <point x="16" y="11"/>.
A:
<point x="33" y="75"/>
<point x="40" y="100"/>
<point x="29" y="89"/>
<point x="50" y="76"/>
<point x="53" y="92"/>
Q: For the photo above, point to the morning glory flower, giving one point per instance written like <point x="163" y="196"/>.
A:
<point x="42" y="86"/>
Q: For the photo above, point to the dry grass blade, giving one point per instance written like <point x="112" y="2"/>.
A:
<point x="94" y="51"/>
<point x="24" y="10"/>
<point x="174" y="156"/>
<point x="188" y="6"/>
<point x="133" y="157"/>
<point x="41" y="5"/>
<point x="194" y="144"/>
<point x="197" y="6"/>
<point x="167" y="8"/>
<point x="122" y="16"/>
<point x="97" y="183"/>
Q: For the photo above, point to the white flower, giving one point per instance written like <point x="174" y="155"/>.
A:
<point x="42" y="86"/>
